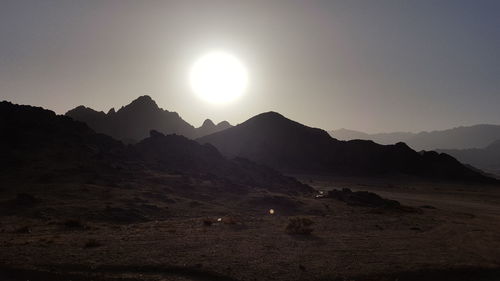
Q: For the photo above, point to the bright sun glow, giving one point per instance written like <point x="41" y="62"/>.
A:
<point x="218" y="77"/>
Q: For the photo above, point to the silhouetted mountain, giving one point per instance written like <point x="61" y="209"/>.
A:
<point x="274" y="140"/>
<point x="177" y="153"/>
<point x="209" y="127"/>
<point x="34" y="137"/>
<point x="381" y="138"/>
<point x="477" y="136"/>
<point x="38" y="142"/>
<point x="133" y="122"/>
<point x="487" y="159"/>
<point x="346" y="134"/>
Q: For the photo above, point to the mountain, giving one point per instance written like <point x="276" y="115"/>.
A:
<point x="382" y="138"/>
<point x="346" y="134"/>
<point x="487" y="159"/>
<point x="177" y="153"/>
<point x="39" y="141"/>
<point x="209" y="127"/>
<point x="132" y="122"/>
<point x="57" y="169"/>
<point x="476" y="136"/>
<point x="286" y="145"/>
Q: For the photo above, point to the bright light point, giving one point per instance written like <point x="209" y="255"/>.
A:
<point x="271" y="211"/>
<point x="218" y="77"/>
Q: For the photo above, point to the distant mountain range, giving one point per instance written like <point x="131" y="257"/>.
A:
<point x="487" y="159"/>
<point x="132" y="122"/>
<point x="289" y="146"/>
<point x="267" y="139"/>
<point x="477" y="136"/>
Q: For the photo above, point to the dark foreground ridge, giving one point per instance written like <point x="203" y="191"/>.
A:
<point x="38" y="137"/>
<point x="273" y="140"/>
<point x="41" y="147"/>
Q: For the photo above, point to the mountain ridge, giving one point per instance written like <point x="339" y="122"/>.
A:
<point x="487" y="158"/>
<point x="41" y="143"/>
<point x="274" y="140"/>
<point x="462" y="137"/>
<point x="132" y="122"/>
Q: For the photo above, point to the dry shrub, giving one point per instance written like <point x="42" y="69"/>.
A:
<point x="207" y="222"/>
<point x="230" y="220"/>
<point x="92" y="243"/>
<point x="24" y="229"/>
<point x="74" y="224"/>
<point x="299" y="225"/>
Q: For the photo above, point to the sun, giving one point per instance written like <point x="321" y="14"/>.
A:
<point x="218" y="77"/>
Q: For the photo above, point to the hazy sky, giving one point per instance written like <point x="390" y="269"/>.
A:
<point x="365" y="65"/>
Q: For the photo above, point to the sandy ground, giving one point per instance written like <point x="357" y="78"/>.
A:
<point x="453" y="234"/>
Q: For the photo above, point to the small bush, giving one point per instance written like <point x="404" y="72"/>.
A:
<point x="230" y="220"/>
<point x="427" y="207"/>
<point x="74" y="224"/>
<point x="207" y="222"/>
<point x="92" y="243"/>
<point x="24" y="229"/>
<point x="299" y="225"/>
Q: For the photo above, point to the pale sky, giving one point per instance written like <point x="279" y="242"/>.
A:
<point x="367" y="65"/>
